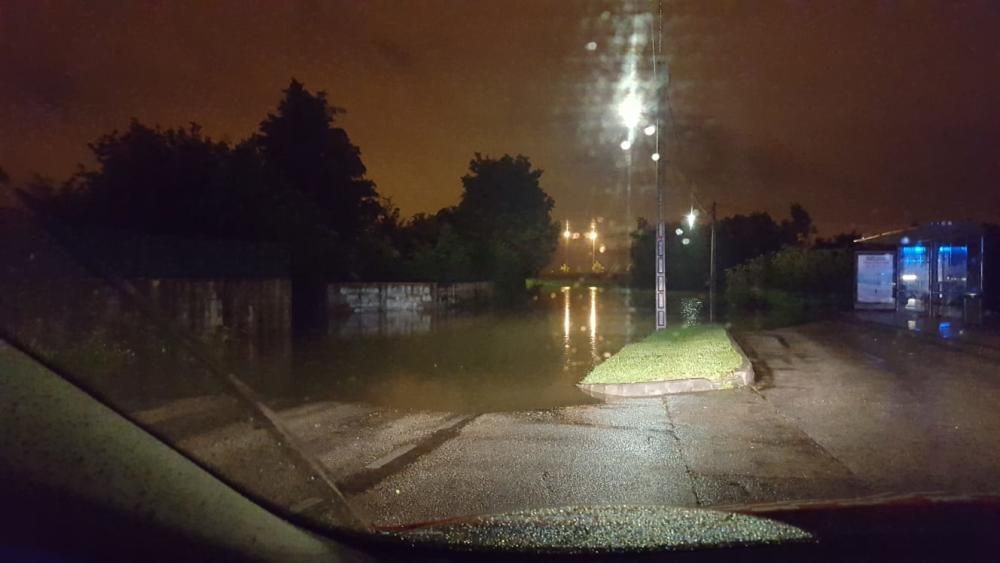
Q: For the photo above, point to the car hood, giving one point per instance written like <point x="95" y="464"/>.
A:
<point x="601" y="529"/>
<point x="646" y="528"/>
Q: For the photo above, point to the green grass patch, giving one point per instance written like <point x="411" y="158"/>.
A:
<point x="674" y="353"/>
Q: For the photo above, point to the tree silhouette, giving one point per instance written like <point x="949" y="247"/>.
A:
<point x="799" y="228"/>
<point x="508" y="216"/>
<point x="151" y="180"/>
<point x="303" y="150"/>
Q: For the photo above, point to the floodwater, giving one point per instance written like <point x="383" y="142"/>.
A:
<point x="473" y="362"/>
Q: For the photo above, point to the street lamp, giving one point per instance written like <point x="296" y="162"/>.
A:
<point x="630" y="110"/>
<point x="690" y="218"/>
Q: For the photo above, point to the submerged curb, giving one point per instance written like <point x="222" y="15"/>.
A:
<point x="740" y="377"/>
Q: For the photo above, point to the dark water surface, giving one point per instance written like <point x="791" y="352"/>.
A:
<point x="492" y="361"/>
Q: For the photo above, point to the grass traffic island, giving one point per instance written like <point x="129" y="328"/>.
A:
<point x="674" y="360"/>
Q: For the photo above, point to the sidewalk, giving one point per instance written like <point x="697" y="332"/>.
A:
<point x="977" y="338"/>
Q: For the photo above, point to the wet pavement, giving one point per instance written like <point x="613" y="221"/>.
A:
<point x="839" y="410"/>
<point x="842" y="410"/>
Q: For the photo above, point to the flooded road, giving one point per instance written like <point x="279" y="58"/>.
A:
<point x="469" y="362"/>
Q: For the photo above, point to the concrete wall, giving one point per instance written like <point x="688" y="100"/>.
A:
<point x="222" y="307"/>
<point x="366" y="297"/>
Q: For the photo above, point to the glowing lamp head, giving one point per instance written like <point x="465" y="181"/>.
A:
<point x="655" y="156"/>
<point x="592" y="235"/>
<point x="567" y="234"/>
<point x="690" y="217"/>
<point x="626" y="145"/>
<point x="649" y="130"/>
<point x="630" y="110"/>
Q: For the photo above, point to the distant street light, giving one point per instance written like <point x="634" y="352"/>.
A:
<point x="649" y="130"/>
<point x="655" y="156"/>
<point x="690" y="218"/>
<point x="626" y="145"/>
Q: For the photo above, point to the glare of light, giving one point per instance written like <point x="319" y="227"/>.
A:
<point x="602" y="248"/>
<point x="690" y="219"/>
<point x="908" y="277"/>
<point x="649" y="130"/>
<point x="685" y="241"/>
<point x="626" y="145"/>
<point x="592" y="320"/>
<point x="566" y="319"/>
<point x="567" y="234"/>
<point x="679" y="231"/>
<point x="575" y="236"/>
<point x="655" y="156"/>
<point x="592" y="235"/>
<point x="630" y="110"/>
<point x="592" y="46"/>
<point x="904" y="240"/>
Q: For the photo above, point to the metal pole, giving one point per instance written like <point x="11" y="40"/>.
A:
<point x="661" y="238"/>
<point x="711" y="271"/>
<point x="661" y="258"/>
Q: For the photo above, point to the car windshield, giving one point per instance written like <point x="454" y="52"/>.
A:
<point x="378" y="264"/>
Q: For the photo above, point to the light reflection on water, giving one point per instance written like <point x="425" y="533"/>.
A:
<point x="471" y="362"/>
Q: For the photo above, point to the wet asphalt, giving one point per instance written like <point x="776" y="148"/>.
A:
<point x="839" y="410"/>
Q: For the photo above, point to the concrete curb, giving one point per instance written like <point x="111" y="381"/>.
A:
<point x="740" y="377"/>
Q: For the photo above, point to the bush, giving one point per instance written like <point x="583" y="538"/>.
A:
<point x="791" y="276"/>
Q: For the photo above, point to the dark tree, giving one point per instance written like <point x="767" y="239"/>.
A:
<point x="507" y="216"/>
<point x="150" y="180"/>
<point x="687" y="264"/>
<point x="742" y="237"/>
<point x="841" y="241"/>
<point x="799" y="228"/>
<point x="304" y="151"/>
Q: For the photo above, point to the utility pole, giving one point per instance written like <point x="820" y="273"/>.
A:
<point x="711" y="271"/>
<point x="661" y="237"/>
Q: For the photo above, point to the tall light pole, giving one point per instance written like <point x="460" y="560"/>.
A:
<point x="661" y="238"/>
<point x="630" y="111"/>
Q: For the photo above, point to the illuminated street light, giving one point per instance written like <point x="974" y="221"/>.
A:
<point x="626" y="145"/>
<point x="690" y="219"/>
<point x="630" y="110"/>
<point x="592" y="235"/>
<point x="649" y="130"/>
<point x="685" y="241"/>
<point x="679" y="231"/>
<point x="655" y="156"/>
